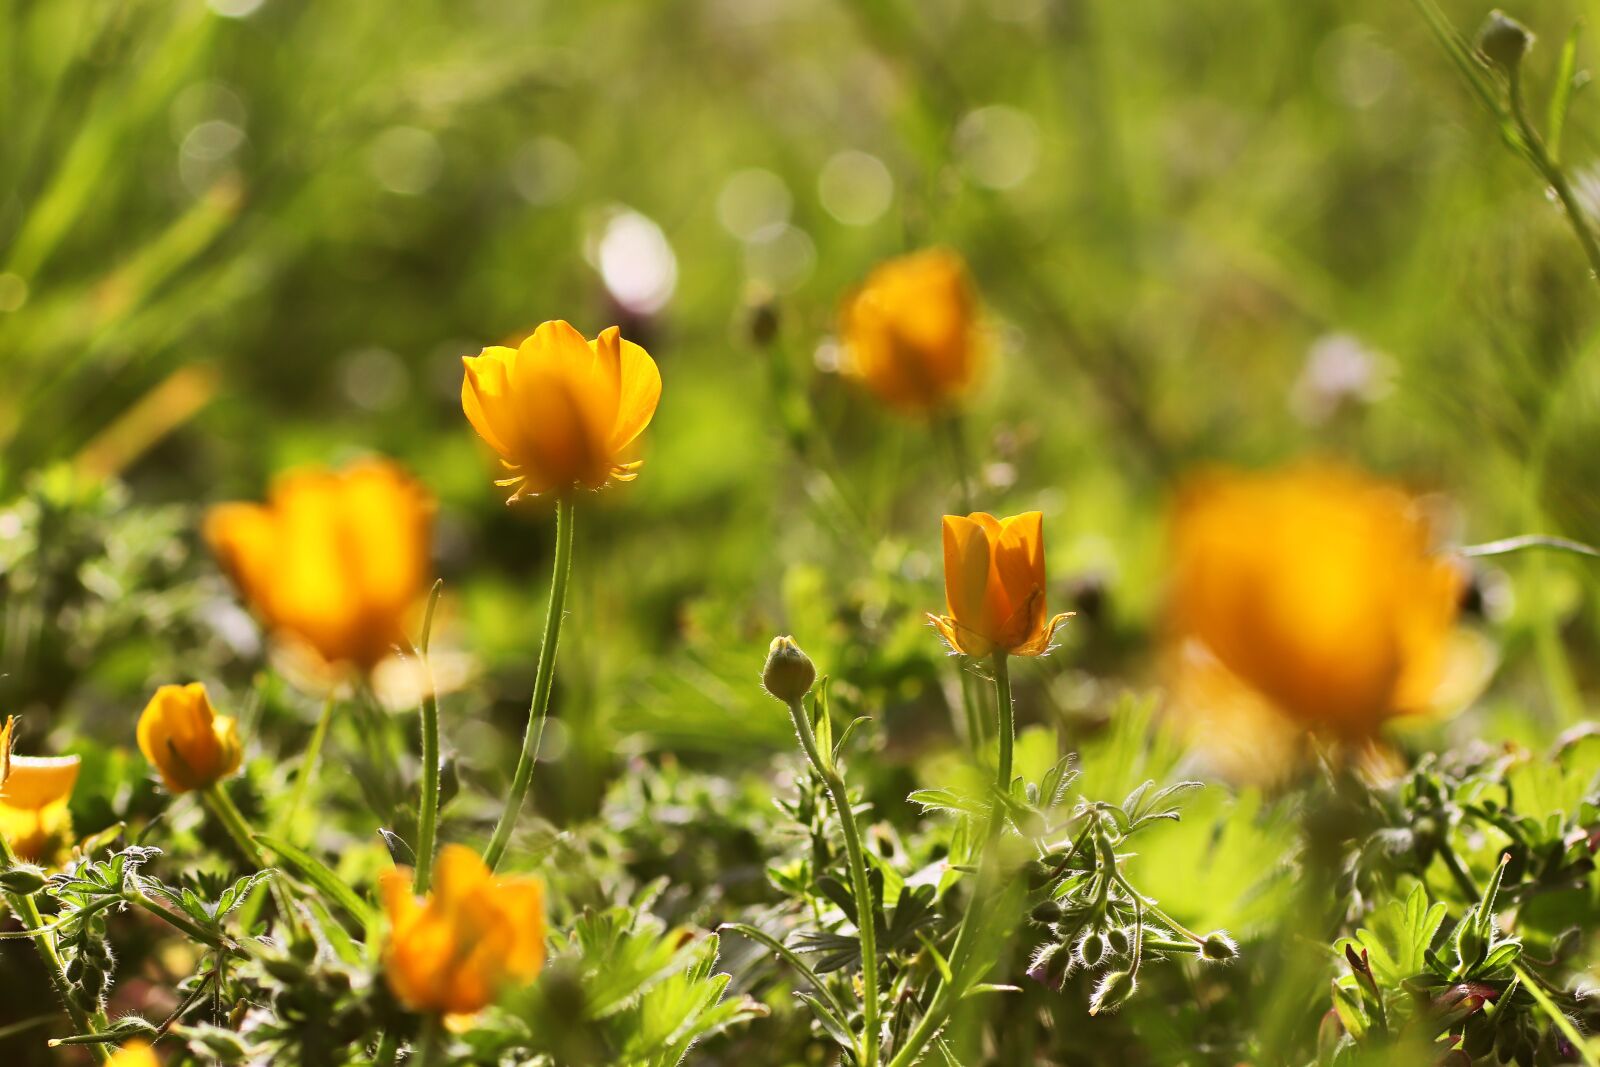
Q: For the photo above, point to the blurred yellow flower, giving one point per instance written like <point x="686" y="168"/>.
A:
<point x="134" y="1054"/>
<point x="34" y="793"/>
<point x="473" y="935"/>
<point x="911" y="331"/>
<point x="1312" y="591"/>
<point x="335" y="562"/>
<point x="188" y="742"/>
<point x="994" y="586"/>
<point x="562" y="411"/>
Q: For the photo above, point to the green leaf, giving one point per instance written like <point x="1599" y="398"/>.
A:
<point x="319" y="875"/>
<point x="1561" y="93"/>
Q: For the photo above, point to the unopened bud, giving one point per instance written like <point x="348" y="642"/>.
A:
<point x="1219" y="947"/>
<point x="24" y="879"/>
<point x="1117" y="941"/>
<point x="1112" y="992"/>
<point x="1091" y="949"/>
<point x="1503" y="41"/>
<point x="1050" y="966"/>
<point x="1046" y="912"/>
<point x="789" y="673"/>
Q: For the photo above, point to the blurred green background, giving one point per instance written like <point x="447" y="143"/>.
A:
<point x="240" y="235"/>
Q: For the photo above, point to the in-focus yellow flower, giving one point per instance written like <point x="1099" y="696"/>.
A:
<point x="335" y="562"/>
<point x="1312" y="591"/>
<point x="34" y="793"/>
<point x="911" y="331"/>
<point x="473" y="935"/>
<point x="994" y="586"/>
<point x="134" y="1054"/>
<point x="562" y="411"/>
<point x="187" y="741"/>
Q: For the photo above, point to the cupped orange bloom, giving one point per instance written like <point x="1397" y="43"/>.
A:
<point x="34" y="793"/>
<point x="134" y="1054"/>
<point x="994" y="586"/>
<point x="911" y="331"/>
<point x="335" y="562"/>
<point x="472" y="936"/>
<point x="1315" y="589"/>
<point x="562" y="411"/>
<point x="188" y="742"/>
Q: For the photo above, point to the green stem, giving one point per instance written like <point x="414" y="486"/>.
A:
<point x="1557" y="1016"/>
<point x="1458" y="871"/>
<point x="308" y="769"/>
<point x="388" y="1047"/>
<point x="951" y="428"/>
<point x="1008" y="726"/>
<point x="428" y="1042"/>
<point x="27" y="912"/>
<point x="539" y="707"/>
<point x="866" y="904"/>
<point x="137" y="897"/>
<point x="1552" y="173"/>
<point x="216" y="799"/>
<point x="428" y="815"/>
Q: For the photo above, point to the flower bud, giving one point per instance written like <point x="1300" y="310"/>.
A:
<point x="24" y="879"/>
<point x="1046" y="912"/>
<point x="1117" y="941"/>
<point x="1114" y="989"/>
<point x="1218" y="947"/>
<point x="1091" y="949"/>
<point x="188" y="742"/>
<point x="1050" y="966"/>
<point x="1503" y="41"/>
<point x="789" y="672"/>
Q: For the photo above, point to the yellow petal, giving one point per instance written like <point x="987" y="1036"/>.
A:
<point x="37" y="781"/>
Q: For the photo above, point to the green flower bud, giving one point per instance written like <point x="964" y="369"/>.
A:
<point x="1046" y="912"/>
<point x="789" y="673"/>
<point x="1112" y="992"/>
<point x="1219" y="947"/>
<point x="24" y="879"/>
<point x="1091" y="949"/>
<point x="1117" y="940"/>
<point x="1503" y="41"/>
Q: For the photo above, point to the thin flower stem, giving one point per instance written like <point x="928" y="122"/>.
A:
<point x="539" y="707"/>
<point x="866" y="905"/>
<point x="308" y="768"/>
<point x="27" y="912"/>
<point x="427" y="1053"/>
<point x="1552" y="173"/>
<point x="1584" y="1049"/>
<point x="1008" y="726"/>
<point x="216" y="798"/>
<point x="1458" y="871"/>
<point x="951" y="428"/>
<point x="137" y="897"/>
<point x="428" y="812"/>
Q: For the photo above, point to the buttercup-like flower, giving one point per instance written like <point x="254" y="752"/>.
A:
<point x="334" y="562"/>
<point x="187" y="741"/>
<point x="911" y="331"/>
<point x="34" y="791"/>
<point x="994" y="586"/>
<point x="474" y="934"/>
<point x="562" y="411"/>
<point x="134" y="1054"/>
<point x="1314" y="591"/>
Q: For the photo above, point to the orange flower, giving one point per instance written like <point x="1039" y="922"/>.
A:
<point x="134" y="1054"/>
<point x="562" y="411"/>
<point x="1313" y="590"/>
<point x="335" y="562"/>
<point x="473" y="935"/>
<point x="994" y="586"/>
<point x="34" y="793"/>
<point x="911" y="331"/>
<point x="188" y="742"/>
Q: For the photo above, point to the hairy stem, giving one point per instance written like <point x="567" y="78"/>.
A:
<point x="866" y="905"/>
<point x="539" y="707"/>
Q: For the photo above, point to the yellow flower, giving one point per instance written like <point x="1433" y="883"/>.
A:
<point x="188" y="742"/>
<point x="34" y="792"/>
<point x="1314" y="591"/>
<point x="134" y="1054"/>
<point x="334" y="563"/>
<point x="994" y="586"/>
<point x="562" y="411"/>
<point x="911" y="331"/>
<point x="453" y="952"/>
